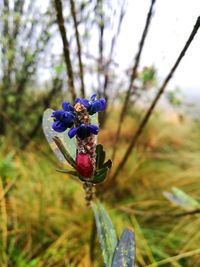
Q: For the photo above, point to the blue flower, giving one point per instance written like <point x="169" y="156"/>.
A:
<point x="93" y="105"/>
<point x="83" y="131"/>
<point x="63" y="120"/>
<point x="68" y="107"/>
<point x="84" y="102"/>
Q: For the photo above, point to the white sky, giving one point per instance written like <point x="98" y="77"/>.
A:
<point x="171" y="25"/>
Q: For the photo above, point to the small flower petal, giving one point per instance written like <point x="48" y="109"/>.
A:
<point x="67" y="106"/>
<point x="93" y="129"/>
<point x="103" y="103"/>
<point x="93" y="97"/>
<point x="97" y="106"/>
<point x="82" y="131"/>
<point x="68" y="117"/>
<point x="84" y="102"/>
<point x="59" y="126"/>
<point x="63" y="120"/>
<point x="58" y="114"/>
<point x="72" y="132"/>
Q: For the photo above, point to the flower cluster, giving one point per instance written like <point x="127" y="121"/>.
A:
<point x="68" y="117"/>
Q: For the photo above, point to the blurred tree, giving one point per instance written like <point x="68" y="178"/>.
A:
<point x="25" y="34"/>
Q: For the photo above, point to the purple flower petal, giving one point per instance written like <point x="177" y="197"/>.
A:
<point x="72" y="132"/>
<point x="59" y="126"/>
<point x="58" y="114"/>
<point x="83" y="102"/>
<point x="103" y="103"/>
<point x="93" y="129"/>
<point x="93" y="97"/>
<point x="67" y="106"/>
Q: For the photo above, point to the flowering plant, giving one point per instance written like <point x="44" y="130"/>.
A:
<point x="79" y="122"/>
<point x="87" y="158"/>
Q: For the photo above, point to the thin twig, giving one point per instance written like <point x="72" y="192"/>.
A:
<point x="101" y="27"/>
<point x="66" y="50"/>
<point x="157" y="214"/>
<point x="79" y="53"/>
<point x="106" y="71"/>
<point x="151" y="108"/>
<point x="133" y="76"/>
<point x="186" y="213"/>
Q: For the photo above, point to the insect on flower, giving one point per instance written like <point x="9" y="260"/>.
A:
<point x="72" y="134"/>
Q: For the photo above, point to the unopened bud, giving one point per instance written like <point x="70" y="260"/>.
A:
<point x="84" y="165"/>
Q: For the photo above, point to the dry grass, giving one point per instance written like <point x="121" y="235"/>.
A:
<point x="47" y="224"/>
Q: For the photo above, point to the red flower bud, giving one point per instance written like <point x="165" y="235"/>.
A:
<point x="84" y="165"/>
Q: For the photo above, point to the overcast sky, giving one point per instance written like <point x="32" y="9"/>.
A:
<point x="171" y="25"/>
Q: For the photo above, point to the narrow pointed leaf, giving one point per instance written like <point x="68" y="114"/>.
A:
<point x="106" y="233"/>
<point x="181" y="199"/>
<point x="185" y="198"/>
<point x="107" y="164"/>
<point x="124" y="255"/>
<point x="64" y="151"/>
<point x="100" y="156"/>
<point x="172" y="198"/>
<point x="100" y="176"/>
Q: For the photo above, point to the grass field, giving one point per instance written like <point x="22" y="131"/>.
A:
<point x="44" y="221"/>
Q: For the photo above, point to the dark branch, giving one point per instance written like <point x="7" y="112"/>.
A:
<point x="133" y="75"/>
<point x="106" y="71"/>
<point x="60" y="21"/>
<point x="151" y="108"/>
<point x="73" y="11"/>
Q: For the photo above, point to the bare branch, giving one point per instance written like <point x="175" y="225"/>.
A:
<point x="106" y="75"/>
<point x="133" y="75"/>
<point x="60" y="21"/>
<point x="73" y="11"/>
<point x="151" y="108"/>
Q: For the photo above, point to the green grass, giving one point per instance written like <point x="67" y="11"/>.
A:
<point x="44" y="220"/>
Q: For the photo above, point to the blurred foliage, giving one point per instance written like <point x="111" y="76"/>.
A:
<point x="43" y="218"/>
<point x="174" y="97"/>
<point x="25" y="34"/>
<point x="46" y="213"/>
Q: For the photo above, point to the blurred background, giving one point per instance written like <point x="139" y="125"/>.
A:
<point x="123" y="50"/>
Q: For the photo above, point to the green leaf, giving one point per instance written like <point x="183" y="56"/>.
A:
<point x="107" y="164"/>
<point x="185" y="198"/>
<point x="172" y="198"/>
<point x="181" y="199"/>
<point x="69" y="144"/>
<point x="100" y="176"/>
<point x="64" y="151"/>
<point x="100" y="156"/>
<point x="106" y="233"/>
<point x="124" y="255"/>
<point x="73" y="173"/>
<point x="94" y="119"/>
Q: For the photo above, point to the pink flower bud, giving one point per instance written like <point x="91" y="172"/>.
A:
<point x="84" y="165"/>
